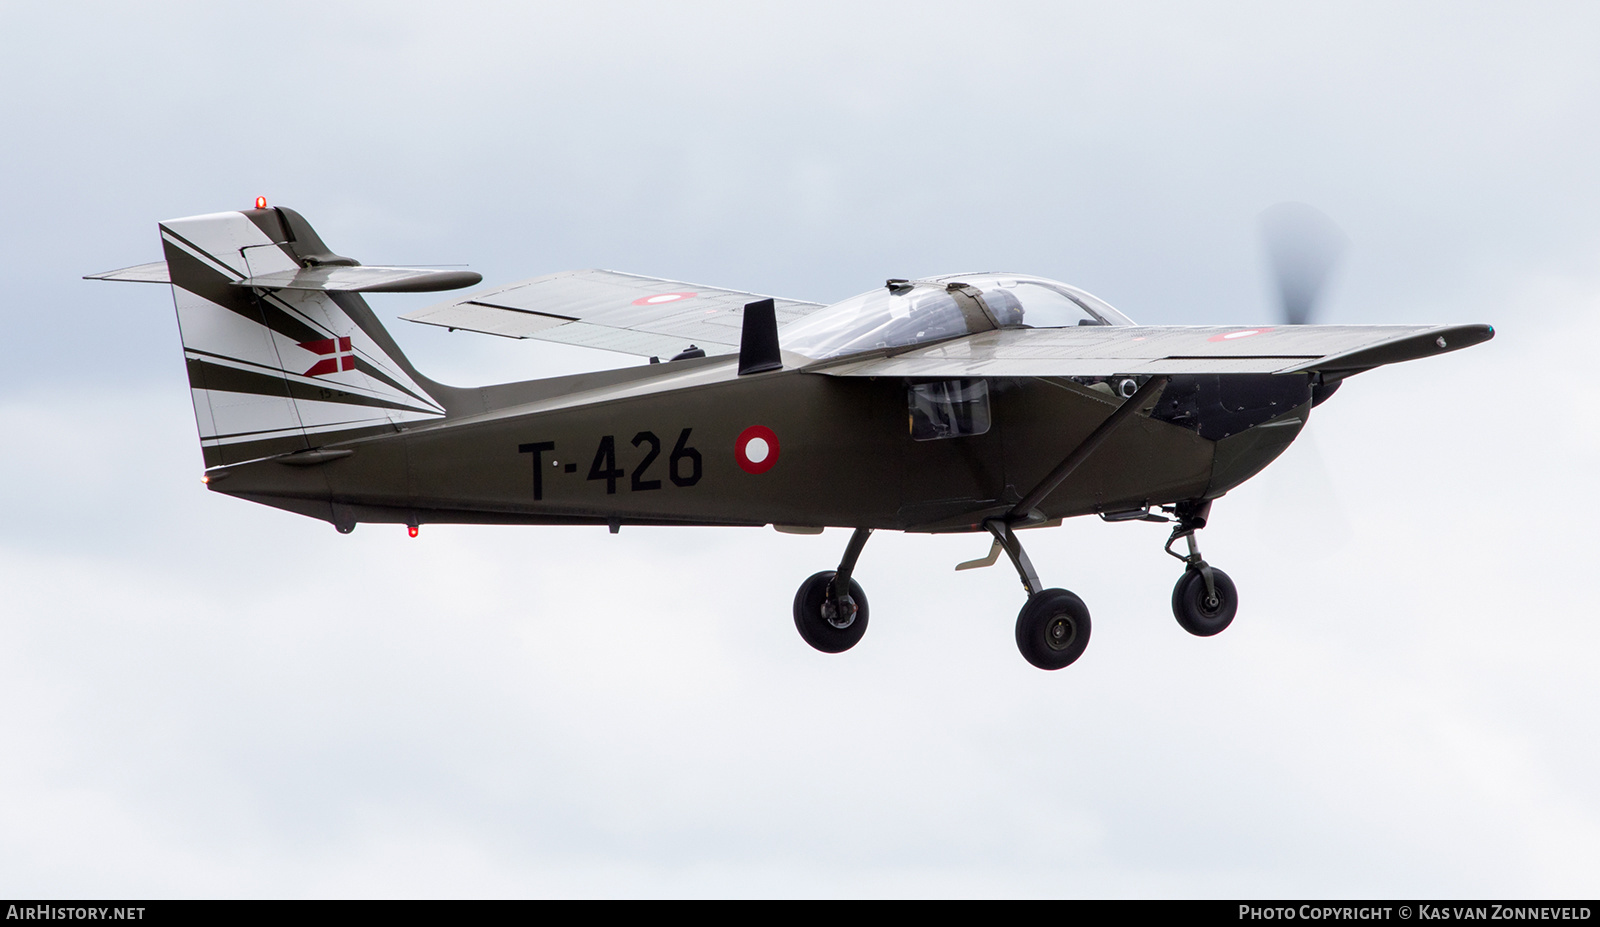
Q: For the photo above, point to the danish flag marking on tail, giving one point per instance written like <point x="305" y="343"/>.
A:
<point x="343" y="357"/>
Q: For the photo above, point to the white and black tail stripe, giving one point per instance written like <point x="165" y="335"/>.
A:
<point x="277" y="371"/>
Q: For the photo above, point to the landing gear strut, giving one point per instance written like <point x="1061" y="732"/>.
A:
<point x="830" y="610"/>
<point x="1053" y="626"/>
<point x="1204" y="601"/>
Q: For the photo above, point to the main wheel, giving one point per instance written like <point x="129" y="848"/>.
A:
<point x="1200" y="614"/>
<point x="1053" y="629"/>
<point x="819" y="624"/>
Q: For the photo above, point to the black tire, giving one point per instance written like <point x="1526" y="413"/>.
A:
<point x="1053" y="629"/>
<point x="1198" y="616"/>
<point x="811" y="620"/>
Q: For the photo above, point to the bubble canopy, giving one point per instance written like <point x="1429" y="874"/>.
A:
<point x="909" y="312"/>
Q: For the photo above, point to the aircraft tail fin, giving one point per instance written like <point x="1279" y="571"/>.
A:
<point x="283" y="354"/>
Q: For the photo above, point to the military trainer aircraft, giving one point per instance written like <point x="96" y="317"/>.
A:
<point x="983" y="402"/>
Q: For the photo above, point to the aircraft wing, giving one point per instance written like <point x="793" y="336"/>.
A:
<point x="1105" y="350"/>
<point x="609" y="310"/>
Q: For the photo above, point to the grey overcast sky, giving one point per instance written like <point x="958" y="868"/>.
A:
<point x="200" y="697"/>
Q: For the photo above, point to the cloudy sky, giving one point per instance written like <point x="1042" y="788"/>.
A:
<point x="1404" y="707"/>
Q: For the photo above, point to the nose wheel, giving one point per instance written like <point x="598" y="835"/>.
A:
<point x="1204" y="610"/>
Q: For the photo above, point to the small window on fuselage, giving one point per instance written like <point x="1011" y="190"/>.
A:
<point x="948" y="408"/>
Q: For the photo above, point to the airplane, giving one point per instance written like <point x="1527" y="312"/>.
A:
<point x="985" y="403"/>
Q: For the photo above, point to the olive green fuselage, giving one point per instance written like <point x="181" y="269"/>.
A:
<point x="661" y="444"/>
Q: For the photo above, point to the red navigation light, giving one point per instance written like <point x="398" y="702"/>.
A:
<point x="411" y="530"/>
<point x="261" y="202"/>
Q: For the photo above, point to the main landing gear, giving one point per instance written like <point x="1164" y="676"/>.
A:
<point x="1204" y="601"/>
<point x="830" y="610"/>
<point x="1053" y="626"/>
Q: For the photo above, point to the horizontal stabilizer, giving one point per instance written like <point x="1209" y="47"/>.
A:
<point x="356" y="279"/>
<point x="364" y="279"/>
<point x="154" y="272"/>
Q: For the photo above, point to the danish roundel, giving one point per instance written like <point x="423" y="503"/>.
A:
<point x="663" y="298"/>
<point x="757" y="449"/>
<point x="1242" y="333"/>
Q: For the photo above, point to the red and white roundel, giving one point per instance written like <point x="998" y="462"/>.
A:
<point x="663" y="298"/>
<point x="1241" y="333"/>
<point x="756" y="450"/>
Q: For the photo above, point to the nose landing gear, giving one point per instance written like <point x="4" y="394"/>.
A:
<point x="1204" y="600"/>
